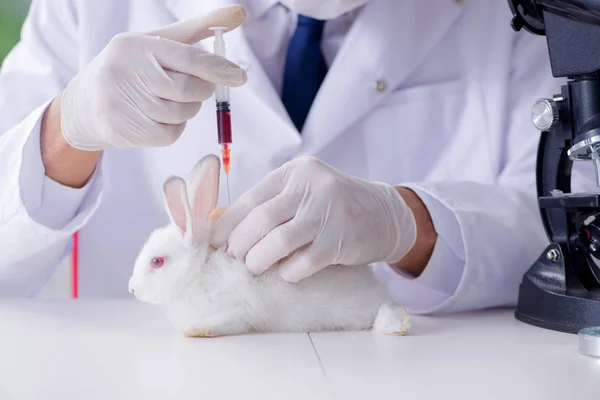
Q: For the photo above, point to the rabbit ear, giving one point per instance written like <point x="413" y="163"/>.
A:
<point x="176" y="202"/>
<point x="204" y="186"/>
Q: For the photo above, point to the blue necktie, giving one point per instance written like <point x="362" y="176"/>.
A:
<point x="305" y="69"/>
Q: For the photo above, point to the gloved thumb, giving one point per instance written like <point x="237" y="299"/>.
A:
<point x="216" y="213"/>
<point x="195" y="29"/>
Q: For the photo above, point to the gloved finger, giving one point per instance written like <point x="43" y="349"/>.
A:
<point x="270" y="186"/>
<point x="202" y="64"/>
<point x="305" y="263"/>
<point x="278" y="244"/>
<point x="183" y="88"/>
<point x="216" y="213"/>
<point x="169" y="112"/>
<point x="262" y="220"/>
<point x="143" y="132"/>
<point x="195" y="29"/>
<point x="171" y="133"/>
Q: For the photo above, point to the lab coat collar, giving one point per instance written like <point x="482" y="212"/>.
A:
<point x="257" y="8"/>
<point x="386" y="43"/>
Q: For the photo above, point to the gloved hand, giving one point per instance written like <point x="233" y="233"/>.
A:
<point x="319" y="214"/>
<point x="143" y="88"/>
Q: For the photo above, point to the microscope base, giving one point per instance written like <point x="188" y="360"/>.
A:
<point x="544" y="301"/>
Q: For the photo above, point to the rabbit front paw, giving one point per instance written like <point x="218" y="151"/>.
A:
<point x="221" y="325"/>
<point x="199" y="332"/>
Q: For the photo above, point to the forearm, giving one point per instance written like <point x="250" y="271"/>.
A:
<point x="63" y="163"/>
<point x="415" y="261"/>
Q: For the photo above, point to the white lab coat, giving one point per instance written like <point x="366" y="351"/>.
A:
<point x="433" y="94"/>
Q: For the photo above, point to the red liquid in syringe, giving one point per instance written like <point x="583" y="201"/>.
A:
<point x="224" y="123"/>
<point x="224" y="132"/>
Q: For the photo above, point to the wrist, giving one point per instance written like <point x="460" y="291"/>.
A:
<point x="397" y="223"/>
<point x="63" y="163"/>
<point x="416" y="259"/>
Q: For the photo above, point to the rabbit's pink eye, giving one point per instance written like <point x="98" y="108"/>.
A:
<point x="157" y="262"/>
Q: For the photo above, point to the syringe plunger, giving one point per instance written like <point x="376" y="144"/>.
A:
<point x="221" y="92"/>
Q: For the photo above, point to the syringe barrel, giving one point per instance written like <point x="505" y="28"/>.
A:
<point x="224" y="123"/>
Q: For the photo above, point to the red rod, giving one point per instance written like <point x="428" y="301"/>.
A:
<point x="75" y="266"/>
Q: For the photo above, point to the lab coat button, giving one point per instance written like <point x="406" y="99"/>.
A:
<point x="380" y="85"/>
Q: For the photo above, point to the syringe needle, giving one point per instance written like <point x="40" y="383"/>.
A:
<point x="228" y="193"/>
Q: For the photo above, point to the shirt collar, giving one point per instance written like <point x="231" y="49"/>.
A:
<point x="257" y="8"/>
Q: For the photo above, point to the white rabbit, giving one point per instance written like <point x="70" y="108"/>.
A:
<point x="207" y="293"/>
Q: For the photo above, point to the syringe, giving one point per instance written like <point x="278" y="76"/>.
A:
<point x="223" y="111"/>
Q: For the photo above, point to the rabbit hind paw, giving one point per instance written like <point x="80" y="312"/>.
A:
<point x="392" y="319"/>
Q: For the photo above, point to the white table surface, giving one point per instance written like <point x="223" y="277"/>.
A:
<point x="124" y="349"/>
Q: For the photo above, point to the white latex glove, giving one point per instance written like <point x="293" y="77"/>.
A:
<point x="143" y="88"/>
<point x="323" y="216"/>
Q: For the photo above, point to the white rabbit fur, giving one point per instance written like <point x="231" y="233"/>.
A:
<point x="207" y="293"/>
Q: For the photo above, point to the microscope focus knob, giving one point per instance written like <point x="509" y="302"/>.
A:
<point x="545" y="114"/>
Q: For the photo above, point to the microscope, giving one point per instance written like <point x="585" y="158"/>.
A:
<point x="561" y="290"/>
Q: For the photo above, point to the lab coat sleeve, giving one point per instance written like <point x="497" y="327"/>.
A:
<point x="37" y="215"/>
<point x="440" y="279"/>
<point x="496" y="232"/>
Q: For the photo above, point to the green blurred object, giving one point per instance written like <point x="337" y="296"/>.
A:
<point x="12" y="15"/>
